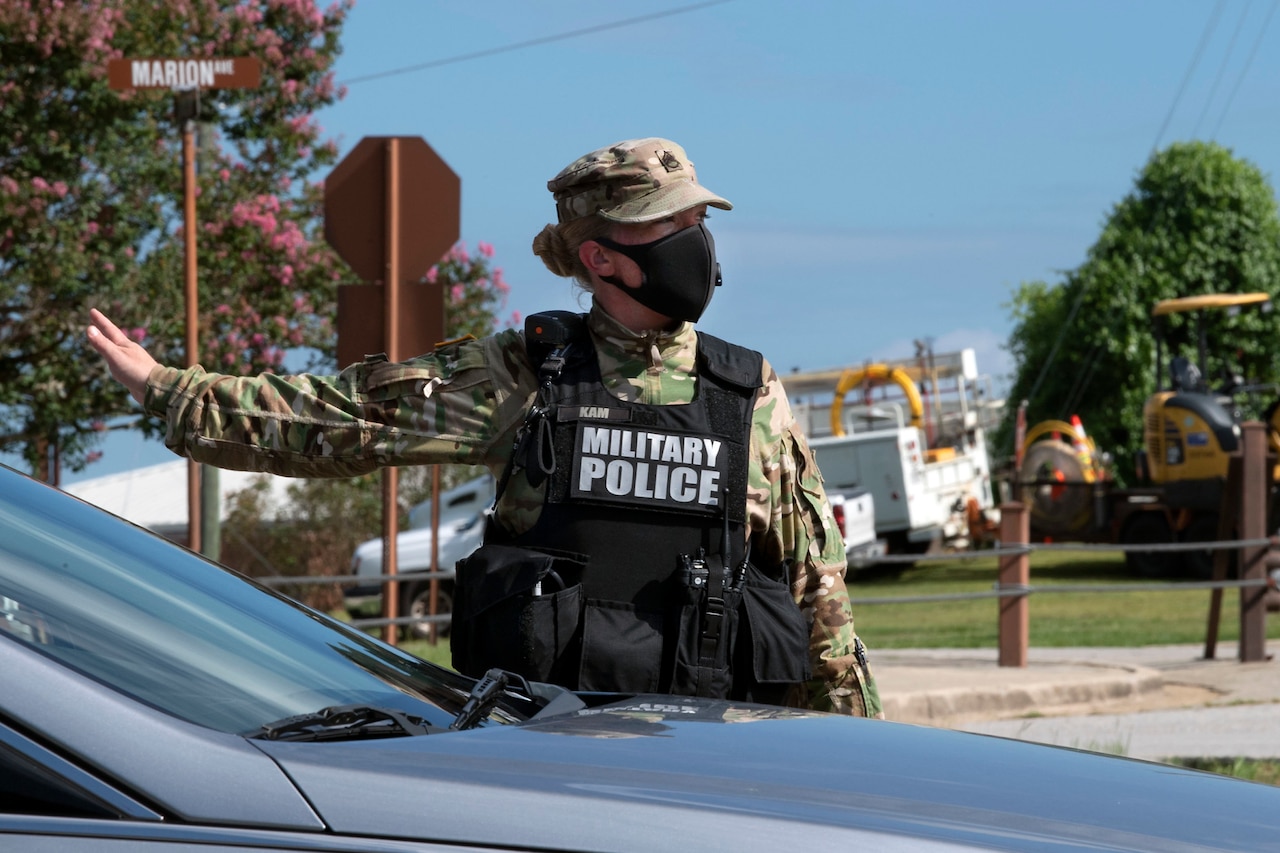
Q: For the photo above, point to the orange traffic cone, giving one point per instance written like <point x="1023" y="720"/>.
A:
<point x="1080" y="441"/>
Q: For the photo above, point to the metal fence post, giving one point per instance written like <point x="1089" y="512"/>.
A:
<point x="1253" y="525"/>
<point x="1015" y="572"/>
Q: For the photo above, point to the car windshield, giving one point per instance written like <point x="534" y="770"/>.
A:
<point x="168" y="628"/>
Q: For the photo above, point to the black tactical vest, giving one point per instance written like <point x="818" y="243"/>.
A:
<point x="635" y="577"/>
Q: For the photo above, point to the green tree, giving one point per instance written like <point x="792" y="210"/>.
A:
<point x="1198" y="221"/>
<point x="91" y="201"/>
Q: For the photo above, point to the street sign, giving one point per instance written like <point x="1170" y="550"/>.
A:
<point x="187" y="77"/>
<point x="362" y="319"/>
<point x="355" y="207"/>
<point x="391" y="204"/>
<point x="391" y="210"/>
<point x="241" y="72"/>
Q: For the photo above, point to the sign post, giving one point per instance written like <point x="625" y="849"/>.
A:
<point x="391" y="210"/>
<point x="186" y="77"/>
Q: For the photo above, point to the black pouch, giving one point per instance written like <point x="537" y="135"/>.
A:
<point x="621" y="648"/>
<point x="703" y="665"/>
<point x="776" y="630"/>
<point x="518" y="609"/>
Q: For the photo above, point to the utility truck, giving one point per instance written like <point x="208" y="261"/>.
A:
<point x="912" y="436"/>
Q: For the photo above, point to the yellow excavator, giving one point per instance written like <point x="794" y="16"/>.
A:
<point x="1190" y="432"/>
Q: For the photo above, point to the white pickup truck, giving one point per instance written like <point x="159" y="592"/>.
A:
<point x="462" y="513"/>
<point x="913" y="438"/>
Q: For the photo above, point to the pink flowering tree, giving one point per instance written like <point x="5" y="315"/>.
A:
<point x="91" y="201"/>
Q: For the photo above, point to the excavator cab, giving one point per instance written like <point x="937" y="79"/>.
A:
<point x="1189" y="432"/>
<point x="1189" y="429"/>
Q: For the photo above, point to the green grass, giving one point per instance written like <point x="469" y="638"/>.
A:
<point x="1120" y="618"/>
<point x="1266" y="771"/>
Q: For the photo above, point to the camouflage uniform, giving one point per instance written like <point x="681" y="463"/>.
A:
<point x="464" y="403"/>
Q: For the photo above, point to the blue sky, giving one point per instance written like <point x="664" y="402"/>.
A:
<point x="897" y="168"/>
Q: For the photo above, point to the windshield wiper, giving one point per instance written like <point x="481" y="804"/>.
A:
<point x="484" y="696"/>
<point x="346" y="722"/>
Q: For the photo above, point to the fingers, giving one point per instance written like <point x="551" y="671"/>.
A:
<point x="103" y="328"/>
<point x="128" y="362"/>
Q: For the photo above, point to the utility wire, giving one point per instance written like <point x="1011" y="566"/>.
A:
<point x="480" y="54"/>
<point x="1207" y="33"/>
<point x="1213" y="90"/>
<point x="1210" y="26"/>
<point x="1245" y="70"/>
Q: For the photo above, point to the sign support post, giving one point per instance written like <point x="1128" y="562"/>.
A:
<point x="186" y="77"/>
<point x="391" y="211"/>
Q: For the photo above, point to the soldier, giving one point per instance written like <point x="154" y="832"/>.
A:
<point x="661" y="525"/>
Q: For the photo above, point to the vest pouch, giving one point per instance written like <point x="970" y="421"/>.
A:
<point x="518" y="609"/>
<point x="777" y="631"/>
<point x="621" y="648"/>
<point x="703" y="665"/>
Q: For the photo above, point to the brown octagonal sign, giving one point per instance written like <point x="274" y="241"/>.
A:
<point x="356" y="208"/>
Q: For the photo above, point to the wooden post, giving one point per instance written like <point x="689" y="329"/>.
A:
<point x="1015" y="571"/>
<point x="190" y="291"/>
<point x="1228" y="524"/>
<point x="391" y="336"/>
<point x="1253" y="525"/>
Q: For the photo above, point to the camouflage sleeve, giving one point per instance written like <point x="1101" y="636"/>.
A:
<point x="789" y="507"/>
<point x="461" y="403"/>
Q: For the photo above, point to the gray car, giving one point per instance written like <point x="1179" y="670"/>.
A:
<point x="153" y="701"/>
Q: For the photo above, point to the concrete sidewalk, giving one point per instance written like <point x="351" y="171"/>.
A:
<point x="1067" y="696"/>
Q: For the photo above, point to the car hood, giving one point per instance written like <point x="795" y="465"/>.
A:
<point x="641" y="774"/>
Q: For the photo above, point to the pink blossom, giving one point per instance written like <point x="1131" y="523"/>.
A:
<point x="456" y="293"/>
<point x="433" y="274"/>
<point x="222" y="310"/>
<point x="485" y="249"/>
<point x="40" y="184"/>
<point x="59" y="189"/>
<point x="224" y="175"/>
<point x="137" y="333"/>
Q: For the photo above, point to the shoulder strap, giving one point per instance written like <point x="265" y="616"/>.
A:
<point x="548" y="337"/>
<point x="730" y="363"/>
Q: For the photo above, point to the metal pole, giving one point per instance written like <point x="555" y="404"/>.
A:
<point x="391" y="308"/>
<point x="1015" y="572"/>
<point x="192" y="304"/>
<point x="1253" y="525"/>
<point x="433" y="591"/>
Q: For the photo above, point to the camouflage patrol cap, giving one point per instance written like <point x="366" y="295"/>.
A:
<point x="637" y="180"/>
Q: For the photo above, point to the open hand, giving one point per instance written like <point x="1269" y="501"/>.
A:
<point x="128" y="362"/>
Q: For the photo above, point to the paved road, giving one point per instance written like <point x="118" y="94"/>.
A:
<point x="1153" y="702"/>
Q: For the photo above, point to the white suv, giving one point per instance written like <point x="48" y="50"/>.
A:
<point x="462" y="515"/>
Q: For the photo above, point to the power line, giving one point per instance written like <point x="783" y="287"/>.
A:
<point x="1209" y="27"/>
<point x="1213" y="90"/>
<point x="1092" y="357"/>
<point x="479" y="54"/>
<point x="1245" y="70"/>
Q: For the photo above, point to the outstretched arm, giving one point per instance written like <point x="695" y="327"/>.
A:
<point x="128" y="362"/>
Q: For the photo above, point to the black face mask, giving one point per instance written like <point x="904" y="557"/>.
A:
<point x="678" y="272"/>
